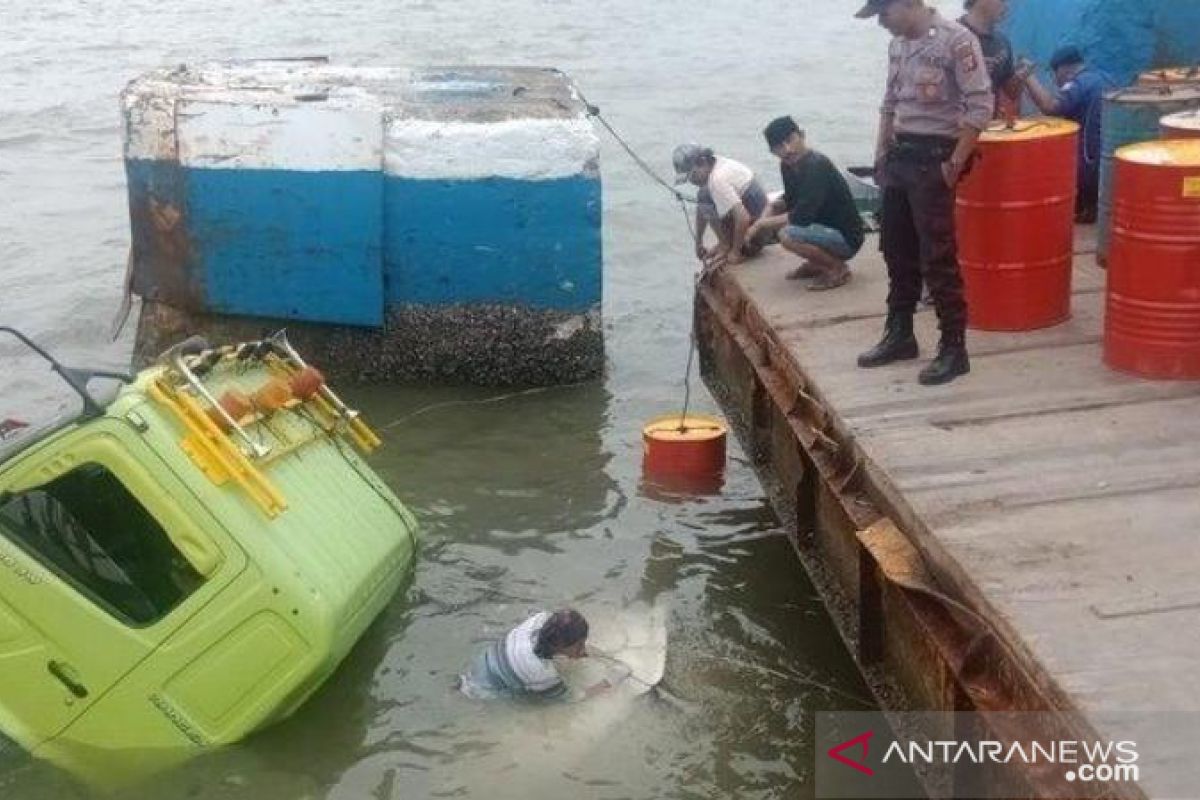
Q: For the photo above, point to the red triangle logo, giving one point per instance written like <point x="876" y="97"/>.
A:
<point x="862" y="740"/>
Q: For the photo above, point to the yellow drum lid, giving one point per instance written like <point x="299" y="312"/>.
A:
<point x="1170" y="75"/>
<point x="1165" y="153"/>
<point x="1028" y="129"/>
<point x="692" y="428"/>
<point x="1179" y="95"/>
<point x="1183" y="120"/>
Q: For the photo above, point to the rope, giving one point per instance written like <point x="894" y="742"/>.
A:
<point x="999" y="125"/>
<point x="340" y="447"/>
<point x="480" y="402"/>
<point x="594" y="111"/>
<point x="687" y="371"/>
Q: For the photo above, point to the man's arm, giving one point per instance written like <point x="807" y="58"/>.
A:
<point x="768" y="224"/>
<point x="1009" y="100"/>
<point x="952" y="169"/>
<point x="1047" y="101"/>
<point x="775" y="216"/>
<point x="701" y="227"/>
<point x="741" y="224"/>
<point x="886" y="135"/>
<point x="1006" y="83"/>
<point x="883" y="141"/>
<point x="1043" y="98"/>
<point x="976" y="87"/>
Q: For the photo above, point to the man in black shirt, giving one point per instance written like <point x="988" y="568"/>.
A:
<point x="982" y="19"/>
<point x="816" y="217"/>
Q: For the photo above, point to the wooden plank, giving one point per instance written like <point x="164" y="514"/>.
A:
<point x="1061" y="494"/>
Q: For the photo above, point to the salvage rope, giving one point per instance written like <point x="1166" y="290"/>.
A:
<point x="594" y="111"/>
<point x="480" y="402"/>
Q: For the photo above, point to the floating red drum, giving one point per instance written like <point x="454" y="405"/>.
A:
<point x="1152" y="320"/>
<point x="1182" y="125"/>
<point x="1015" y="212"/>
<point x="684" y="446"/>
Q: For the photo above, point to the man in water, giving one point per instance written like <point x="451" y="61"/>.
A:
<point x="1080" y="98"/>
<point x="816" y="218"/>
<point x="521" y="664"/>
<point x="729" y="201"/>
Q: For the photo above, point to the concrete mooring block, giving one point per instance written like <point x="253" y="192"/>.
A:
<point x="439" y="224"/>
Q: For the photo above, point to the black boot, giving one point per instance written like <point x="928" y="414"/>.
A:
<point x="951" y="361"/>
<point x="897" y="344"/>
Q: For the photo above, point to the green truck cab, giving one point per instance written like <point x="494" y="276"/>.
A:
<point x="188" y="562"/>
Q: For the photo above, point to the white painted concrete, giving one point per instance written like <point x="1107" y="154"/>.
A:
<point x="526" y="149"/>
<point x="149" y="120"/>
<point x="302" y="136"/>
<point x="310" y="115"/>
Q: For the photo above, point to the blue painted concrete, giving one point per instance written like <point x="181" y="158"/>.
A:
<point x="340" y="246"/>
<point x="273" y="243"/>
<point x="1123" y="37"/>
<point x="290" y="244"/>
<point x="504" y="241"/>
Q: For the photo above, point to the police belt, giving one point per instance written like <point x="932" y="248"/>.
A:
<point x="918" y="148"/>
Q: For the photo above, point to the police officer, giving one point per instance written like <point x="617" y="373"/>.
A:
<point x="938" y="99"/>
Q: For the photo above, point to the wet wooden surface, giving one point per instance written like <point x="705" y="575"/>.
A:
<point x="1062" y="496"/>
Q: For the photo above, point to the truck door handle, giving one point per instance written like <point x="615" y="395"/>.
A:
<point x="65" y="675"/>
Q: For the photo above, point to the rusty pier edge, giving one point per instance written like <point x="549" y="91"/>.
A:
<point x="920" y="632"/>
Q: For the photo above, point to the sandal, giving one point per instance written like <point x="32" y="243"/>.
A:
<point x="826" y="281"/>
<point x="805" y="271"/>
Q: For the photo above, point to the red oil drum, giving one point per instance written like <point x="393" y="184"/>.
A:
<point x="1152" y="321"/>
<point x="1015" y="214"/>
<point x="692" y="446"/>
<point x="1183" y="125"/>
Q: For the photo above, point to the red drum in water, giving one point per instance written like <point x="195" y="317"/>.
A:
<point x="691" y="446"/>
<point x="1015" y="213"/>
<point x="1183" y="125"/>
<point x="1152" y="320"/>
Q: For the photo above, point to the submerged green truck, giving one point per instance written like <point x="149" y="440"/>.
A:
<point x="187" y="562"/>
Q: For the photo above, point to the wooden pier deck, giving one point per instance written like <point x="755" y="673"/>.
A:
<point x="1053" y="497"/>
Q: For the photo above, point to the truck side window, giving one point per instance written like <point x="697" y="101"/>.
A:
<point x="88" y="528"/>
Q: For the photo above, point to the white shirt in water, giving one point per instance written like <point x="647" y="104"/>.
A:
<point x="536" y="674"/>
<point x="510" y="665"/>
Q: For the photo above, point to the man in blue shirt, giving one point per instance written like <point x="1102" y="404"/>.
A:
<point x="1080" y="98"/>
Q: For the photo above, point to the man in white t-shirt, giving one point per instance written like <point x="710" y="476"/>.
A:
<point x="521" y="663"/>
<point x="729" y="201"/>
